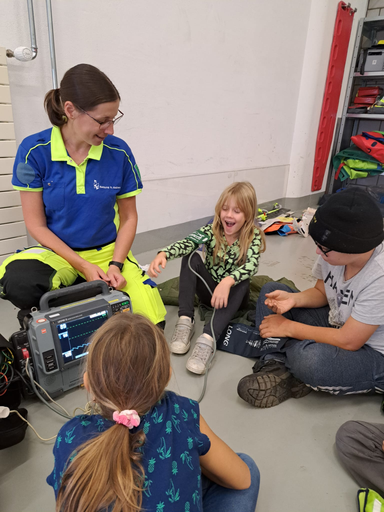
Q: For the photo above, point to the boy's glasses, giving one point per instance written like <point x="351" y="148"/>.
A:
<point x="104" y="124"/>
<point x="323" y="249"/>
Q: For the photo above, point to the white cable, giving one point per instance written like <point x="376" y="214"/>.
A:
<point x="213" y="334"/>
<point x="33" y="382"/>
<point x="27" y="422"/>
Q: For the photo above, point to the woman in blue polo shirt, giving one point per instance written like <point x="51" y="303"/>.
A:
<point x="78" y="185"/>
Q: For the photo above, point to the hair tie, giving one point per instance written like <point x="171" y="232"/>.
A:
<point x="128" y="418"/>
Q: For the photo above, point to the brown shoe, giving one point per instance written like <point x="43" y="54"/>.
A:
<point x="270" y="385"/>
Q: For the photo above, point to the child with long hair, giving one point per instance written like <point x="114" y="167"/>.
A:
<point x="233" y="245"/>
<point x="148" y="447"/>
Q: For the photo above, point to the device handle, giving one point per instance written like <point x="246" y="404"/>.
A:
<point x="92" y="286"/>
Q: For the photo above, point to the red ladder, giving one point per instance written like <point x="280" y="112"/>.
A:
<point x="339" y="49"/>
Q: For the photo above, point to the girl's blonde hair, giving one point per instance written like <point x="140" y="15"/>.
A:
<point x="245" y="196"/>
<point x="128" y="367"/>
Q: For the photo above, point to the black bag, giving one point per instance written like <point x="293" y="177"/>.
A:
<point x="243" y="340"/>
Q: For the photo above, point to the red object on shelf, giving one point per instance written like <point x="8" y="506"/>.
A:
<point x="364" y="100"/>
<point x="339" y="49"/>
<point x="368" y="91"/>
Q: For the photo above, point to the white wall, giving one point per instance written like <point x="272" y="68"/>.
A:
<point x="315" y="67"/>
<point x="210" y="89"/>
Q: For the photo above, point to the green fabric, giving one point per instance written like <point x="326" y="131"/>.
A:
<point x="353" y="152"/>
<point x="353" y="174"/>
<point x="360" y="165"/>
<point x="369" y="501"/>
<point x="356" y="164"/>
<point x="169" y="292"/>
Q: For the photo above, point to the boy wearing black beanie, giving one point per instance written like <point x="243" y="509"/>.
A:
<point x="335" y="330"/>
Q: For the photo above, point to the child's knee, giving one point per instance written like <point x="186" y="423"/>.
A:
<point x="305" y="360"/>
<point x="273" y="286"/>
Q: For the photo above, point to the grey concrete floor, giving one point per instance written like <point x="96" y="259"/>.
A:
<point x="293" y="443"/>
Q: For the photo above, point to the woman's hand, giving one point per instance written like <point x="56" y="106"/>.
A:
<point x="279" y="301"/>
<point x="154" y="267"/>
<point x="220" y="295"/>
<point x="116" y="279"/>
<point x="275" y="326"/>
<point x="94" y="273"/>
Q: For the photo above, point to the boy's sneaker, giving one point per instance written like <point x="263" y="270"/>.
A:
<point x="270" y="385"/>
<point x="182" y="335"/>
<point x="198" y="360"/>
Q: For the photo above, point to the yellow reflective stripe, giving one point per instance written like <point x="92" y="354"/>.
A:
<point x="34" y="147"/>
<point x="28" y="189"/>
<point x="129" y="160"/>
<point x="130" y="194"/>
<point x="116" y="219"/>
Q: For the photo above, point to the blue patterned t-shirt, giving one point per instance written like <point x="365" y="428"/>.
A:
<point x="170" y="453"/>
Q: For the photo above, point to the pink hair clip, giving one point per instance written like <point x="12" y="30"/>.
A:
<point x="128" y="418"/>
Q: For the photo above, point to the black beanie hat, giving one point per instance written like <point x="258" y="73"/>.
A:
<point x="349" y="221"/>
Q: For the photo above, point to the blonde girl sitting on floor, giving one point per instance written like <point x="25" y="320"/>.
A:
<point x="232" y="250"/>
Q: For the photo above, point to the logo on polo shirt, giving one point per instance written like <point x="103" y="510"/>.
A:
<point x="97" y="186"/>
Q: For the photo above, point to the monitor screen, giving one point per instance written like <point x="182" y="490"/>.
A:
<point x="74" y="334"/>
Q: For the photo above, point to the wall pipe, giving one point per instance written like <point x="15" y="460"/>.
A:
<point x="32" y="29"/>
<point x="24" y="53"/>
<point x="51" y="43"/>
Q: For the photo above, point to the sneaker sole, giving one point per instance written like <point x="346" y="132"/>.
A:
<point x="265" y="391"/>
<point x="194" y="370"/>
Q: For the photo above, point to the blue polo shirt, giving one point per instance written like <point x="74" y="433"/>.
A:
<point x="79" y="200"/>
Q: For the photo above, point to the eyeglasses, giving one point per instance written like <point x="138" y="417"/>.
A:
<point x="323" y="249"/>
<point x="104" y="124"/>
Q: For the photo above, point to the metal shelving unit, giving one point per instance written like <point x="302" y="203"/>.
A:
<point x="369" y="32"/>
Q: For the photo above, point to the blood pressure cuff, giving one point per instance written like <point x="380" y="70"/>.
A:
<point x="27" y="275"/>
<point x="243" y="340"/>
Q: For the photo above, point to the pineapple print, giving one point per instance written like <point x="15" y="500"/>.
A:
<point x="151" y="465"/>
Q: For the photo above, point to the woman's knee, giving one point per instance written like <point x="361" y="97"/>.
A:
<point x="25" y="282"/>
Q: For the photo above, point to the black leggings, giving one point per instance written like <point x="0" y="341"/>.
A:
<point x="190" y="285"/>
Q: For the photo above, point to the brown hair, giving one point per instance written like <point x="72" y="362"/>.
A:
<point x="245" y="197"/>
<point x="85" y="86"/>
<point x="128" y="367"/>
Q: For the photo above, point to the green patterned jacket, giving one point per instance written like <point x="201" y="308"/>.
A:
<point x="222" y="268"/>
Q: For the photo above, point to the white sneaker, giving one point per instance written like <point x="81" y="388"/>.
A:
<point x="182" y="335"/>
<point x="197" y="362"/>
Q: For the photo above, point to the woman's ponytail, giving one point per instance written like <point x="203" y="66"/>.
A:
<point x="54" y="107"/>
<point x="85" y="86"/>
